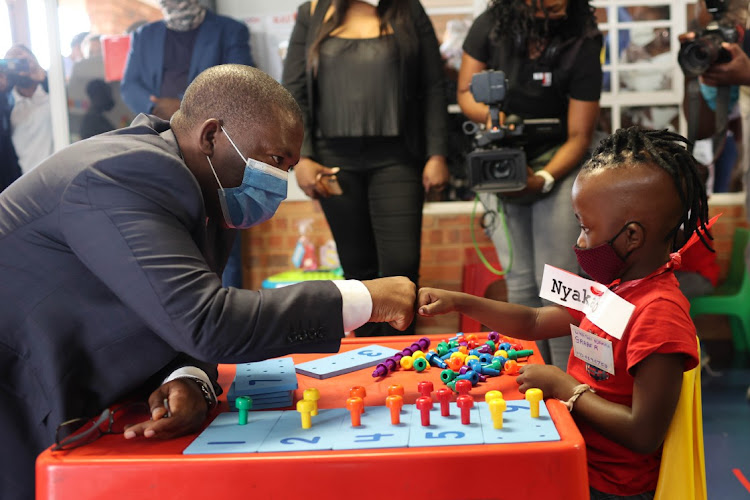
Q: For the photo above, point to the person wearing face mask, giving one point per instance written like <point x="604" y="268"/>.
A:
<point x="31" y="116"/>
<point x="111" y="252"/>
<point x="165" y="56"/>
<point x="369" y="78"/>
<point x="630" y="199"/>
<point x="549" y="51"/>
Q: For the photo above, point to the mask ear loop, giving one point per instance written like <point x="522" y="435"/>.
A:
<point x="233" y="144"/>
<point x="214" y="172"/>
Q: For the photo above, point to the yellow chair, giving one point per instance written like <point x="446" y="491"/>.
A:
<point x="682" y="474"/>
<point x="732" y="297"/>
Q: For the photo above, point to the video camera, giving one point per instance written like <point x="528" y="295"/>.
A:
<point x="697" y="55"/>
<point x="491" y="167"/>
<point x="14" y="66"/>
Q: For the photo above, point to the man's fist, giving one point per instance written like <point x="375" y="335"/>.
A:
<point x="392" y="301"/>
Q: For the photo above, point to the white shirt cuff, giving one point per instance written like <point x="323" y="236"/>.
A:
<point x="191" y="372"/>
<point x="356" y="303"/>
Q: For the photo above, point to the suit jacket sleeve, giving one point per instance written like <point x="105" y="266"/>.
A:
<point x="133" y="87"/>
<point x="431" y="83"/>
<point x="133" y="221"/>
<point x="294" y="75"/>
<point x="236" y="44"/>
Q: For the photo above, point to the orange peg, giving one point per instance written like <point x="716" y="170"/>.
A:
<point x="359" y="392"/>
<point x="355" y="405"/>
<point x="396" y="389"/>
<point x="511" y="367"/>
<point x="395" y="402"/>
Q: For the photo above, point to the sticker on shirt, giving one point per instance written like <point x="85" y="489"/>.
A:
<point x="602" y="307"/>
<point x="543" y="77"/>
<point x="593" y="350"/>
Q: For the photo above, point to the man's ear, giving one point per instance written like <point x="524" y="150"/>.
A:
<point x="635" y="236"/>
<point x="207" y="138"/>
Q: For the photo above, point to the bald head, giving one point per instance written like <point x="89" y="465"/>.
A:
<point x="242" y="97"/>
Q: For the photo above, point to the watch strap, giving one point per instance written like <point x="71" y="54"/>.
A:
<point x="549" y="181"/>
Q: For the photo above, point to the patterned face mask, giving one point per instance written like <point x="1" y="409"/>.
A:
<point x="182" y="15"/>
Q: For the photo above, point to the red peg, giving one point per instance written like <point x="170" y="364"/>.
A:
<point x="425" y="388"/>
<point x="355" y="405"/>
<point x="395" y="402"/>
<point x="396" y="390"/>
<point x="465" y="402"/>
<point x="424" y="405"/>
<point x="359" y="392"/>
<point x="444" y="396"/>
<point x="463" y="386"/>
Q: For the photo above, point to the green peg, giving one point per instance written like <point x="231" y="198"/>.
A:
<point x="243" y="404"/>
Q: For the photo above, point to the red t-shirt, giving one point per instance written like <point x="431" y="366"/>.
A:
<point x="699" y="259"/>
<point x="660" y="324"/>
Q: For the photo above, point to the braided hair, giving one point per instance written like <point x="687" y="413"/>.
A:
<point x="661" y="147"/>
<point x="514" y="20"/>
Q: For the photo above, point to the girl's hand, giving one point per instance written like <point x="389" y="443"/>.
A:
<point x="553" y="382"/>
<point x="433" y="302"/>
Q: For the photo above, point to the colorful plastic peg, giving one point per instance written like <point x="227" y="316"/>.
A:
<point x="511" y="367"/>
<point x="305" y="408"/>
<point x="463" y="386"/>
<point x="425" y="388"/>
<point x="524" y="353"/>
<point x="395" y="402"/>
<point x="243" y="404"/>
<point x="497" y="407"/>
<point x="359" y="392"/>
<point x="407" y="362"/>
<point x="490" y="395"/>
<point x="466" y="403"/>
<point x="397" y="390"/>
<point x="444" y="397"/>
<point x="420" y="364"/>
<point x="312" y="394"/>
<point x="533" y="396"/>
<point x="424" y="405"/>
<point x="356" y="407"/>
<point x="435" y="360"/>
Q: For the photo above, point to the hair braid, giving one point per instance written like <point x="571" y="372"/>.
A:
<point x="662" y="147"/>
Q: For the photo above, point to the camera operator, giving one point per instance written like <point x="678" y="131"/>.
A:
<point x="30" y="119"/>
<point x="549" y="51"/>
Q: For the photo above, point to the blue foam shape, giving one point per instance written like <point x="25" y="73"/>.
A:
<point x="346" y="362"/>
<point x="267" y="403"/>
<point x="376" y="430"/>
<point x="518" y="426"/>
<point x="225" y="435"/>
<point x="271" y="375"/>
<point x="232" y="394"/>
<point x="288" y="434"/>
<point x="445" y="431"/>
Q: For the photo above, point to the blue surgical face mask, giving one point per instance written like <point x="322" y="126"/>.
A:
<point x="254" y="201"/>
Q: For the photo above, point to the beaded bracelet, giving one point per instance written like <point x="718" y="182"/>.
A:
<point x="579" y="389"/>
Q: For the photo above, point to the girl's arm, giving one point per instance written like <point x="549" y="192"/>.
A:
<point x="518" y="321"/>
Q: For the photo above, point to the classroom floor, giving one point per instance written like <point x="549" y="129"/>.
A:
<point x="726" y="428"/>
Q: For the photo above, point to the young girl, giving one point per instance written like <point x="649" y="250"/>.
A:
<point x="630" y="199"/>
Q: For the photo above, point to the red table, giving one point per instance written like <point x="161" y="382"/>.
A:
<point x="114" y="468"/>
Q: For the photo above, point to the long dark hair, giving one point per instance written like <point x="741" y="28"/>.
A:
<point x="395" y="13"/>
<point x="514" y="20"/>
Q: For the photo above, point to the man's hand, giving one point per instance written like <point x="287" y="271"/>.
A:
<point x="186" y="404"/>
<point x="310" y="178"/>
<point x="735" y="72"/>
<point x="392" y="301"/>
<point x="553" y="382"/>
<point x="164" y="107"/>
<point x="433" y="302"/>
<point x="435" y="174"/>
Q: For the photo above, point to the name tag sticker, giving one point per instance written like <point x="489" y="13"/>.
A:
<point x="602" y="307"/>
<point x="544" y="77"/>
<point x="593" y="350"/>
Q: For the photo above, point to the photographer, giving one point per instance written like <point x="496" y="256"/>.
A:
<point x="549" y="51"/>
<point x="30" y="119"/>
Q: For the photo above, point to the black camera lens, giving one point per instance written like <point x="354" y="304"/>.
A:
<point x="498" y="169"/>
<point x="697" y="56"/>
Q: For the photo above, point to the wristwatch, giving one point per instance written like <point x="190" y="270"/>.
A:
<point x="549" y="181"/>
<point x="208" y="395"/>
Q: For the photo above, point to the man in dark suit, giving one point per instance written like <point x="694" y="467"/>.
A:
<point x="165" y="56"/>
<point x="111" y="251"/>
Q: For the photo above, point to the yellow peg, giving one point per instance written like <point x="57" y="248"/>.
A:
<point x="497" y="407"/>
<point x="417" y="354"/>
<point x="533" y="396"/>
<point x="312" y="394"/>
<point x="490" y="395"/>
<point x="305" y="407"/>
